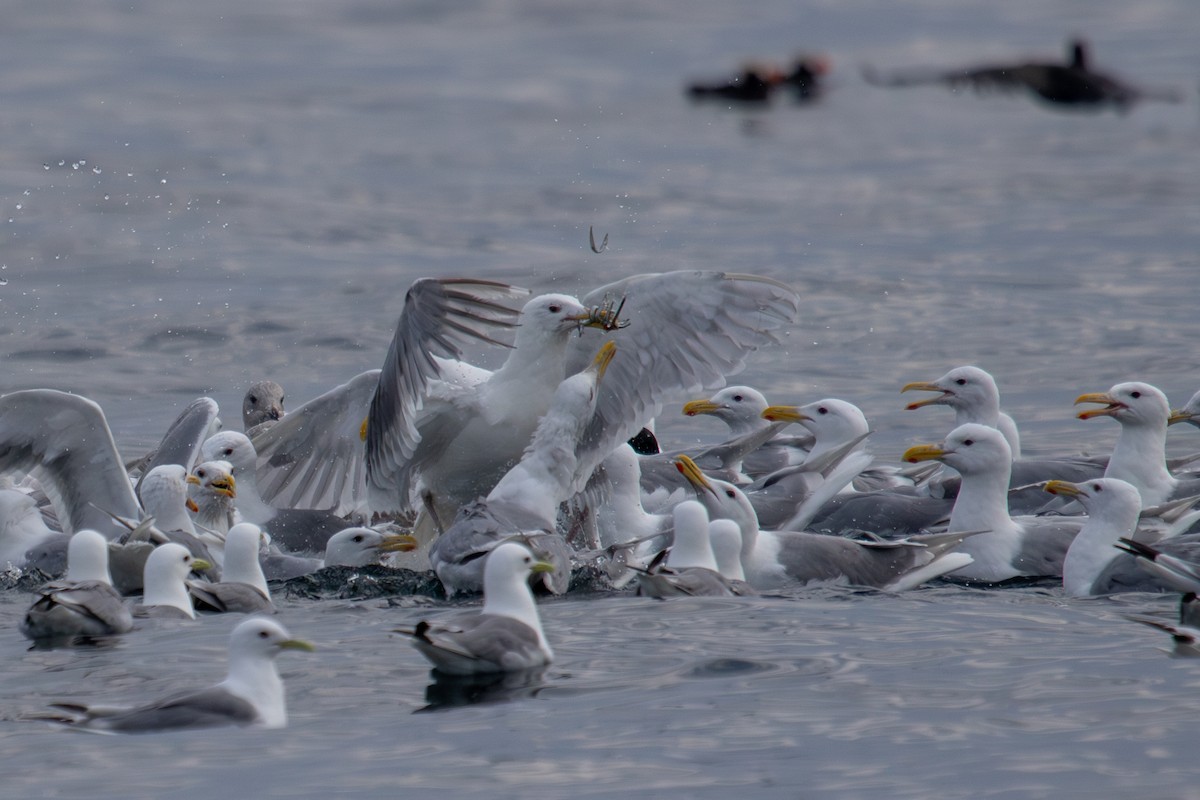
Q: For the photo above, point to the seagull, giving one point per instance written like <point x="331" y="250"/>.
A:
<point x="973" y="395"/>
<point x="262" y="407"/>
<point x="741" y="409"/>
<point x="690" y="566"/>
<point x="243" y="587"/>
<point x="83" y="605"/>
<point x="1097" y="562"/>
<point x="165" y="589"/>
<point x="774" y="558"/>
<point x="1140" y="454"/>
<point x="65" y="440"/>
<point x="527" y="498"/>
<point x="251" y="694"/>
<point x="22" y="528"/>
<point x="689" y="329"/>
<point x="349" y="547"/>
<point x="1032" y="546"/>
<point x="215" y="496"/>
<point x="294" y="529"/>
<point x="505" y="635"/>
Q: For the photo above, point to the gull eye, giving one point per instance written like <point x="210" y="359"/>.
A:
<point x="730" y="493"/>
<point x="555" y="308"/>
<point x="1097" y="487"/>
<point x="822" y="410"/>
<point x="187" y="558"/>
<point x="253" y="400"/>
<point x="264" y="635"/>
<point x="1135" y="395"/>
<point x="358" y="538"/>
<point x="969" y="442"/>
<point x="200" y="473"/>
<point x="737" y="398"/>
<point x="961" y="381"/>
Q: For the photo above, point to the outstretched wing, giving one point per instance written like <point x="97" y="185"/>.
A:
<point x="315" y="456"/>
<point x="65" y="439"/>
<point x="438" y="318"/>
<point x="687" y="332"/>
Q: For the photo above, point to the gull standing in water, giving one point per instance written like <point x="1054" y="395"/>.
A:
<point x="505" y="635"/>
<point x="251" y="694"/>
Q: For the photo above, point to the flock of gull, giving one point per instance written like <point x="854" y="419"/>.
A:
<point x="509" y="482"/>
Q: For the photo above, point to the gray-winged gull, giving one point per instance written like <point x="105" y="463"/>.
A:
<point x="251" y="694"/>
<point x="297" y="530"/>
<point x="973" y="395"/>
<point x="775" y="558"/>
<point x="85" y="604"/>
<point x="1094" y="564"/>
<point x="505" y="635"/>
<point x="527" y="497"/>
<point x="1008" y="548"/>
<point x="243" y="587"/>
<point x="1140" y="454"/>
<point x="690" y="567"/>
<point x="65" y="441"/>
<point x="689" y="330"/>
<point x="349" y="547"/>
<point x="165" y="590"/>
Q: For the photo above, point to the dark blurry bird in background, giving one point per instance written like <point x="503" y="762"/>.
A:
<point x="758" y="81"/>
<point x="1073" y="83"/>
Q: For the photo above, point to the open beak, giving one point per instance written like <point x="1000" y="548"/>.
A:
<point x="924" y="386"/>
<point x="225" y="486"/>
<point x="1110" y="403"/>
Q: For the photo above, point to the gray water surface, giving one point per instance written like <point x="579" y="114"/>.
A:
<point x="197" y="196"/>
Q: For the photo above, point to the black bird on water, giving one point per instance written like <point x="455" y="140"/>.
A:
<point x="757" y="82"/>
<point x="1073" y="83"/>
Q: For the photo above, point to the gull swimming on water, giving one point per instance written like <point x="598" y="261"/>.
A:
<point x="1140" y="455"/>
<point x="243" y="587"/>
<point x="84" y="604"/>
<point x="775" y="558"/>
<point x="505" y="635"/>
<point x="251" y="694"/>
<point x="165" y="589"/>
<point x="1008" y="548"/>
<point x="690" y="567"/>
